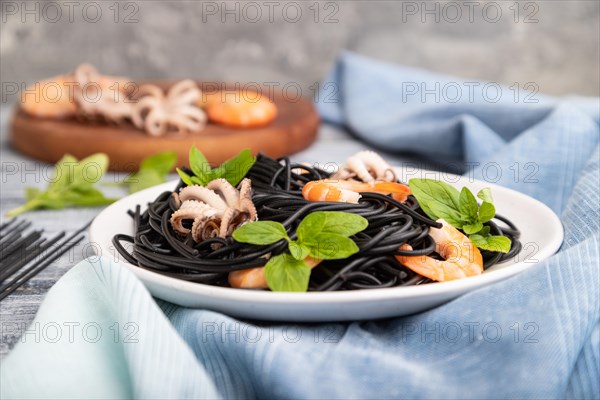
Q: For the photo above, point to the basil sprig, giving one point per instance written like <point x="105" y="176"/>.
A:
<point x="322" y="235"/>
<point x="233" y="170"/>
<point x="73" y="184"/>
<point x="153" y="171"/>
<point x="461" y="210"/>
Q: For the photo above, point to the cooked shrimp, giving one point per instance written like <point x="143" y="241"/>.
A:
<point x="50" y="98"/>
<point x="348" y="191"/>
<point x="461" y="257"/>
<point x="239" y="110"/>
<point x="326" y="191"/>
<point x="254" y="278"/>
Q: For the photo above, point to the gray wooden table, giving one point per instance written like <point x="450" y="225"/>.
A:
<point x="18" y="310"/>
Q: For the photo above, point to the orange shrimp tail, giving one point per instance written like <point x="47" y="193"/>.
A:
<point x="400" y="197"/>
<point x="328" y="191"/>
<point x="421" y="265"/>
<point x="398" y="191"/>
<point x="461" y="258"/>
<point x="254" y="278"/>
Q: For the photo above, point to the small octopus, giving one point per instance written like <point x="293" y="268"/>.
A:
<point x="366" y="166"/>
<point x="217" y="209"/>
<point x="158" y="113"/>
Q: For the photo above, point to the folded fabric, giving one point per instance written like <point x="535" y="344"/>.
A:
<point x="401" y="109"/>
<point x="535" y="335"/>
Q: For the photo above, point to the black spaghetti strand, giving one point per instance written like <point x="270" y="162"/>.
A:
<point x="277" y="186"/>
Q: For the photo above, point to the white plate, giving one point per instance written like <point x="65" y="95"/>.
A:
<point x="541" y="235"/>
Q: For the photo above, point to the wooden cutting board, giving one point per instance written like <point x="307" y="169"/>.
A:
<point x="294" y="129"/>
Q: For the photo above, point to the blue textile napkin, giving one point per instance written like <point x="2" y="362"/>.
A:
<point x="535" y="335"/>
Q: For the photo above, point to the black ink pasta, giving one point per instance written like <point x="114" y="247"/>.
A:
<point x="277" y="196"/>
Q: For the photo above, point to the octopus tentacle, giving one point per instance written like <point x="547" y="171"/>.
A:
<point x="201" y="193"/>
<point x="105" y="103"/>
<point x="366" y="166"/>
<point x="217" y="209"/>
<point x="141" y="108"/>
<point x="159" y="113"/>
<point x="151" y="92"/>
<point x="183" y="124"/>
<point x="224" y="189"/>
<point x="225" y="227"/>
<point x="193" y="116"/>
<point x="206" y="227"/>
<point x="176" y="199"/>
<point x="246" y="205"/>
<point x="155" y="124"/>
<point x="189" y="210"/>
<point x="184" y="92"/>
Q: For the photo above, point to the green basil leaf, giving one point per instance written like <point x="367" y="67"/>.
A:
<point x="185" y="177"/>
<point x="487" y="211"/>
<point x="472" y="228"/>
<point x="161" y="163"/>
<point x="286" y="274"/>
<point x="260" y="232"/>
<point x="298" y="250"/>
<point x="84" y="195"/>
<point x="90" y="170"/>
<point x="197" y="181"/>
<point x="436" y="198"/>
<point x="343" y="223"/>
<point x="485" y="231"/>
<point x="311" y="225"/>
<point x="468" y="206"/>
<point x="145" y="178"/>
<point x="236" y="168"/>
<point x="88" y="197"/>
<point x="53" y="204"/>
<point x="31" y="193"/>
<point x="49" y="199"/>
<point x="63" y="172"/>
<point x="485" y="194"/>
<point x="200" y="166"/>
<point x="492" y="243"/>
<point x="331" y="246"/>
<point x="453" y="217"/>
<point x="335" y="222"/>
<point x="72" y="185"/>
<point x="153" y="171"/>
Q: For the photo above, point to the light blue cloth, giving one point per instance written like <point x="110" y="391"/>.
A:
<point x="535" y="335"/>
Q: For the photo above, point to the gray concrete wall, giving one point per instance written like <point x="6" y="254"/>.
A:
<point x="554" y="44"/>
